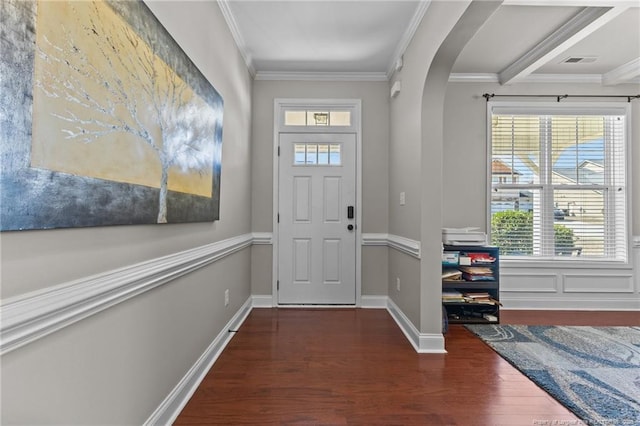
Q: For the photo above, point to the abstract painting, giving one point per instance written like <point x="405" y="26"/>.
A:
<point x="105" y="120"/>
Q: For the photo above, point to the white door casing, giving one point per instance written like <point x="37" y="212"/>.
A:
<point x="316" y="229"/>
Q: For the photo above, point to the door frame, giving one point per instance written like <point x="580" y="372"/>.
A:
<point x="279" y="106"/>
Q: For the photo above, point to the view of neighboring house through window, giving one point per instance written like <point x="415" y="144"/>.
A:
<point x="558" y="181"/>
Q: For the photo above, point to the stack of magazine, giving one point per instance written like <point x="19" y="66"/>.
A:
<point x="476" y="273"/>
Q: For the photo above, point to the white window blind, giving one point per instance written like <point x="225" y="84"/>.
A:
<point x="558" y="182"/>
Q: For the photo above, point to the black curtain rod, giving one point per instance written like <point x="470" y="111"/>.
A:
<point x="488" y="96"/>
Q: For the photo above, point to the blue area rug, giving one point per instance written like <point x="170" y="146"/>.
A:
<point x="593" y="371"/>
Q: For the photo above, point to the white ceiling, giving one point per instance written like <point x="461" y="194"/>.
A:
<point x="525" y="40"/>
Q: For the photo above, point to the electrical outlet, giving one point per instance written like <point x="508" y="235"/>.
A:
<point x="226" y="297"/>
<point x="398" y="283"/>
<point x="402" y="199"/>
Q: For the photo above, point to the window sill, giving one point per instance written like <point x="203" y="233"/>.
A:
<point x="564" y="264"/>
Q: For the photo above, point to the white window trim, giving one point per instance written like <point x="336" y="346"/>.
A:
<point x="578" y="108"/>
<point x="283" y="105"/>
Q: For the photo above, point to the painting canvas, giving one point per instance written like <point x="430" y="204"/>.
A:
<point x="105" y="120"/>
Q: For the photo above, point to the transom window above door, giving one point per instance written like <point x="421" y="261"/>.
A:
<point x="317" y="118"/>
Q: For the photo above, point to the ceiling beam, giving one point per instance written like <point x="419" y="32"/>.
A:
<point x="576" y="29"/>
<point x="572" y="3"/>
<point x="623" y="74"/>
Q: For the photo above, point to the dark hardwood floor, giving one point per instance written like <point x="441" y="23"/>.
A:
<point x="355" y="367"/>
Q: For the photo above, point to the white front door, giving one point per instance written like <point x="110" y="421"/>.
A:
<point x="317" y="219"/>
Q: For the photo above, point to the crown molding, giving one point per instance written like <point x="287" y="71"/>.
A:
<point x="563" y="78"/>
<point x="453" y="77"/>
<point x="421" y="9"/>
<point x="532" y="78"/>
<point x="576" y="29"/>
<point x="237" y="36"/>
<point x="320" y="76"/>
<point x="519" y="72"/>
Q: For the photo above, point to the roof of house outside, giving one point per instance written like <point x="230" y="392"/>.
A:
<point x="499" y="167"/>
<point x="587" y="172"/>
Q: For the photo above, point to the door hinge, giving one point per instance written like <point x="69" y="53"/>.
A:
<point x="278" y="217"/>
<point x="278" y="150"/>
<point x="278" y="285"/>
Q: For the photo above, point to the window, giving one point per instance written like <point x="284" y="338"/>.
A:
<point x="317" y="118"/>
<point x="317" y="154"/>
<point x="558" y="182"/>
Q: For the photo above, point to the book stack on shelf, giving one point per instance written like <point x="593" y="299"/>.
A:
<point x="452" y="296"/>
<point x="470" y="284"/>
<point x="482" y="297"/>
<point x="476" y="273"/>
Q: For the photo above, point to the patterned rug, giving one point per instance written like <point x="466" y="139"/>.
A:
<point x="593" y="371"/>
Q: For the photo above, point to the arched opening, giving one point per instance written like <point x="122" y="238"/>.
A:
<point x="433" y="138"/>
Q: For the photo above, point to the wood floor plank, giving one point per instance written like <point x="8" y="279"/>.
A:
<point x="356" y="367"/>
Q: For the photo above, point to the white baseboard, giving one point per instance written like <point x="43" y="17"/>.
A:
<point x="262" y="301"/>
<point x="172" y="405"/>
<point x="374" y="302"/>
<point x="570" y="304"/>
<point x="170" y="408"/>
<point x="432" y="343"/>
<point x="422" y="342"/>
<point x="367" y="302"/>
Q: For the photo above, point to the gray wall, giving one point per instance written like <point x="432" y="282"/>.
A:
<point x="415" y="168"/>
<point x="446" y="148"/>
<point x="465" y="147"/>
<point x="375" y="175"/>
<point x="117" y="366"/>
<point x="553" y="285"/>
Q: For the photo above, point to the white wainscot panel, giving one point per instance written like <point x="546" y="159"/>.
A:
<point x="636" y="268"/>
<point x="529" y="282"/>
<point x="594" y="282"/>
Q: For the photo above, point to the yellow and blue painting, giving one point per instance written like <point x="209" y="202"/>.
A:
<point x="106" y="121"/>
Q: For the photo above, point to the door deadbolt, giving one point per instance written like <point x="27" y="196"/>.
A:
<point x="350" y="212"/>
